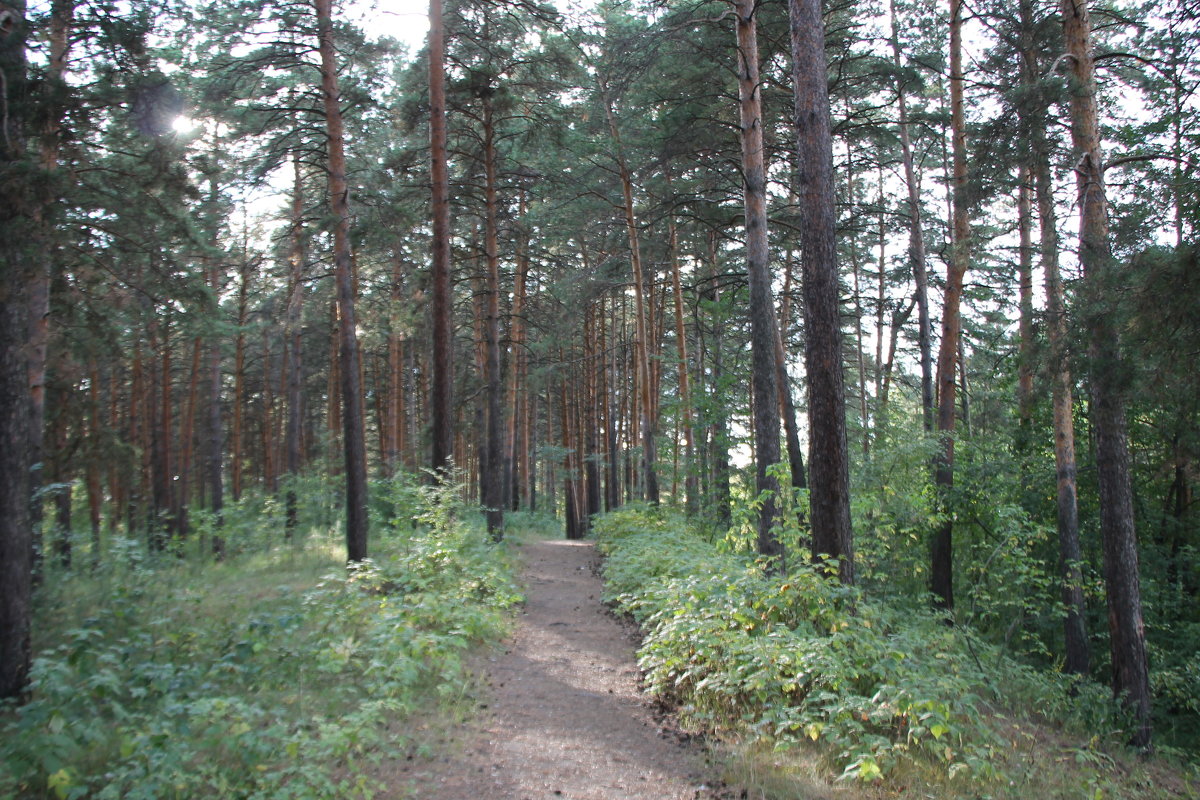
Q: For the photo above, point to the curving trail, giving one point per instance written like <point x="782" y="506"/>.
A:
<point x="564" y="718"/>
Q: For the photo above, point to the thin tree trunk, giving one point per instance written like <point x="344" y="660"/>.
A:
<point x="916" y="240"/>
<point x="690" y="483"/>
<point x="1025" y="324"/>
<point x="1130" y="677"/>
<point x="494" y="500"/>
<point x="392" y="429"/>
<point x="62" y="13"/>
<point x="829" y="462"/>
<point x="187" y="437"/>
<point x="762" y="308"/>
<point x="441" y="401"/>
<point x="92" y="479"/>
<point x="720" y="426"/>
<point x="643" y="320"/>
<point x="1078" y="656"/>
<point x="942" y="571"/>
<point x="295" y="310"/>
<point x="515" y="458"/>
<point x="856" y="273"/>
<point x="352" y="400"/>
<point x="216" y="437"/>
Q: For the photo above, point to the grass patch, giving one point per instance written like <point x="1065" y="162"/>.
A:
<point x="280" y="673"/>
<point x="817" y="679"/>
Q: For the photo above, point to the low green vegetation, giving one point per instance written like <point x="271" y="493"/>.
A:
<point x="277" y="673"/>
<point x="880" y="691"/>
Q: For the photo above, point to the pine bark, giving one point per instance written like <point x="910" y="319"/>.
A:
<point x="690" y="481"/>
<point x="942" y="568"/>
<point x="215" y="429"/>
<point x="354" y="442"/>
<point x="1025" y="321"/>
<point x="441" y="390"/>
<point x="1130" y="674"/>
<point x="295" y="378"/>
<point x="829" y="463"/>
<point x="762" y="307"/>
<point x="643" y="322"/>
<point x="493" y="500"/>
<point x="1078" y="656"/>
<point x="16" y="414"/>
<point x="916" y="240"/>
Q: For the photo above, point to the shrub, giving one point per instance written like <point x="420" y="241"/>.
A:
<point x="799" y="657"/>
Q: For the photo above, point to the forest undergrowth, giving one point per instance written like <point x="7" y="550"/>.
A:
<point x="275" y="673"/>
<point x="805" y="673"/>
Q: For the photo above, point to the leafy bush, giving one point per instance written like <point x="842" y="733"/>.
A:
<point x="271" y="676"/>
<point x="800" y="657"/>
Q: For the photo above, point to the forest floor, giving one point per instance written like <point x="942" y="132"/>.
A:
<point x="559" y="711"/>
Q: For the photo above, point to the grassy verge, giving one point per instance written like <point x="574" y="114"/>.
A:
<point x="277" y="674"/>
<point x="825" y="687"/>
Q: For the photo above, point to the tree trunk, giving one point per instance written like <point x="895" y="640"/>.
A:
<point x="1078" y="657"/>
<point x="685" y="395"/>
<point x="187" y="436"/>
<point x="352" y="400"/>
<point x="856" y="275"/>
<point x="493" y="500"/>
<point x="442" y="302"/>
<point x="643" y="320"/>
<point x="295" y="379"/>
<point x="16" y="536"/>
<point x="1025" y="323"/>
<point x="216" y="437"/>
<point x="942" y="571"/>
<point x="92" y="478"/>
<point x="762" y="307"/>
<point x="16" y="414"/>
<point x="829" y="463"/>
<point x="916" y="240"/>
<point x="392" y="429"/>
<point x="1130" y="676"/>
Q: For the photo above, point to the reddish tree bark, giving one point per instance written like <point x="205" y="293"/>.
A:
<point x="441" y="398"/>
<point x="942" y="571"/>
<point x="762" y="307"/>
<point x="1127" y="636"/>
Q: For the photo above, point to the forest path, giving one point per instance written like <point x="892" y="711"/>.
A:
<point x="562" y="715"/>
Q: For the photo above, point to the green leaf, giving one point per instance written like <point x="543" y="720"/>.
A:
<point x="60" y="783"/>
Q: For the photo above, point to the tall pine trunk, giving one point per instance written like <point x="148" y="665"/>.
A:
<point x="762" y="307"/>
<point x="295" y="378"/>
<point x="829" y="462"/>
<point x="354" y="443"/>
<point x="916" y="240"/>
<point x="16" y="535"/>
<point x="1130" y="674"/>
<point x="942" y="558"/>
<point x="441" y="397"/>
<point x="493" y="457"/>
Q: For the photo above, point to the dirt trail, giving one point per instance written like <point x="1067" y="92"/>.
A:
<point x="563" y="717"/>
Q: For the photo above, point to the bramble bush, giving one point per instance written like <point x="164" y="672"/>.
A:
<point x="799" y="657"/>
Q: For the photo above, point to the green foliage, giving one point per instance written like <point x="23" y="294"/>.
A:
<point x="799" y="657"/>
<point x="274" y="675"/>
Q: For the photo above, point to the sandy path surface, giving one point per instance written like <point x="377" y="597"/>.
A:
<point x="563" y="717"/>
